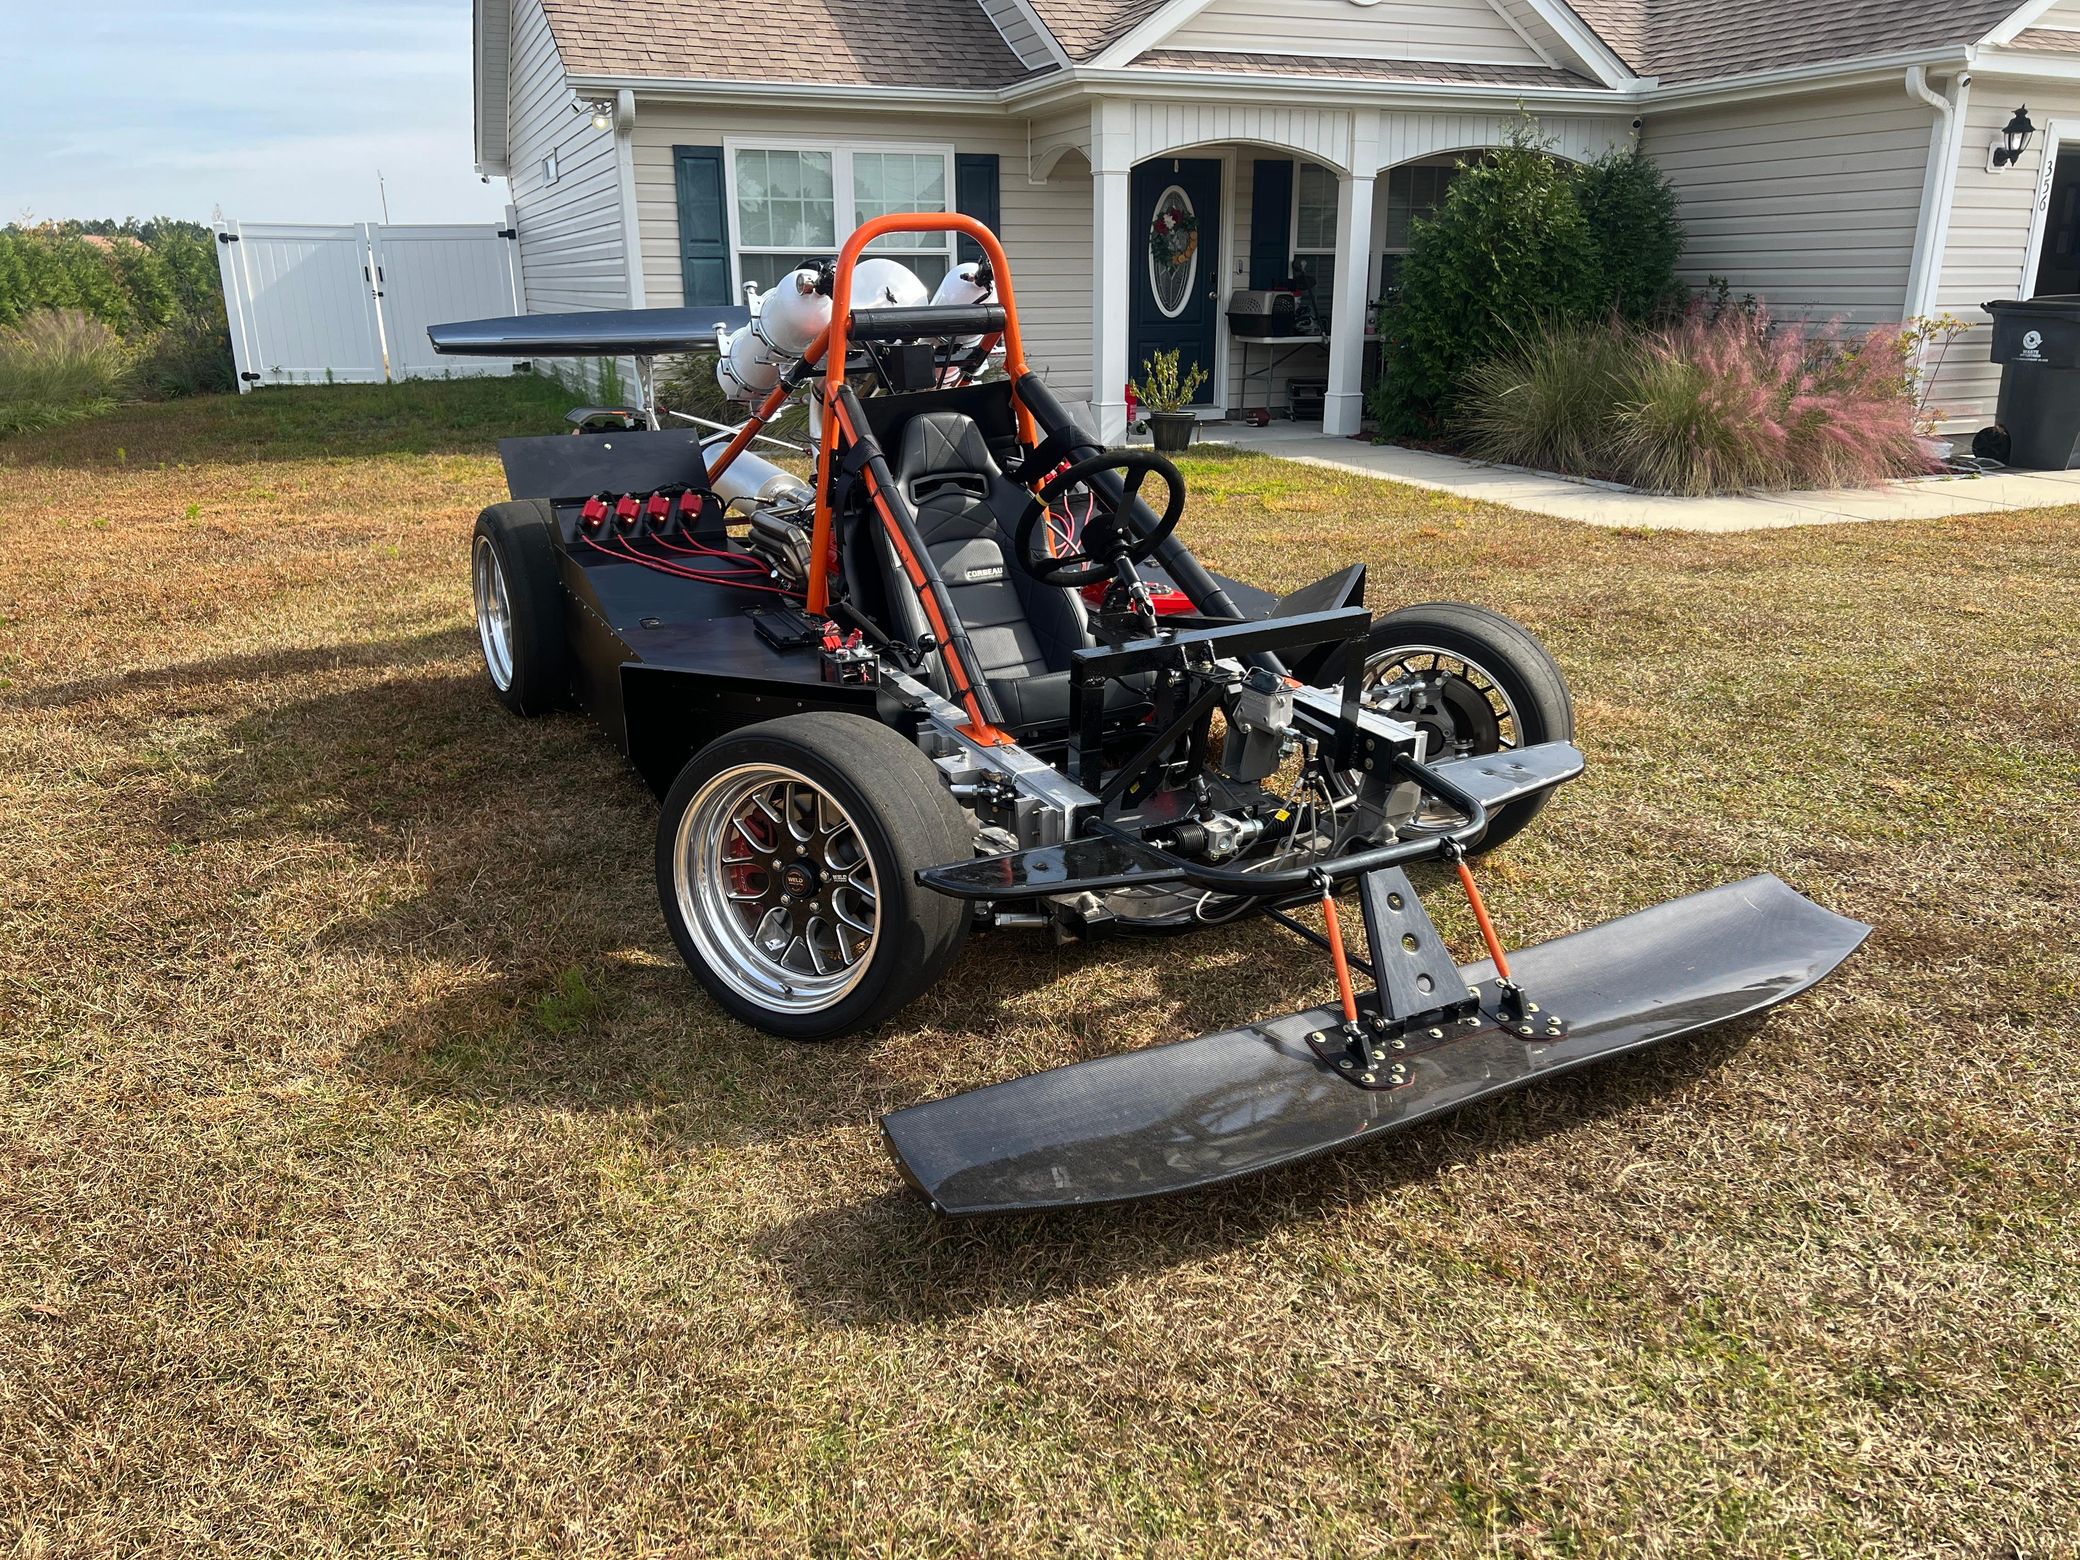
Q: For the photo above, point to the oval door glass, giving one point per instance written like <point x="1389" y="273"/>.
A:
<point x="1173" y="251"/>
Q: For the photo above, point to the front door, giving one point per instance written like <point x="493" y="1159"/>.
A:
<point x="1173" y="268"/>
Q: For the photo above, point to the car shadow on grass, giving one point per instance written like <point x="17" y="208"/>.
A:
<point x="887" y="1260"/>
<point x="209" y="679"/>
<point x="498" y="872"/>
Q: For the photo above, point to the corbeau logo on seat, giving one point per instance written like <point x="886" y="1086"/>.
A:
<point x="980" y="574"/>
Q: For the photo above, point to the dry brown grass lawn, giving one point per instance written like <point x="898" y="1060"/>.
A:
<point x="372" y="1176"/>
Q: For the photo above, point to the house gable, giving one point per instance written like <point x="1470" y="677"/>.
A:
<point x="1466" y="31"/>
<point x="2040" y="24"/>
<point x="1519" y="34"/>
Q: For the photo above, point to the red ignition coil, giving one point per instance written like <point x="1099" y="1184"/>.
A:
<point x="658" y="511"/>
<point x="593" y="515"/>
<point x="628" y="509"/>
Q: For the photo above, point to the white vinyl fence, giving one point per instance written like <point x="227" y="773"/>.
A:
<point x="349" y="303"/>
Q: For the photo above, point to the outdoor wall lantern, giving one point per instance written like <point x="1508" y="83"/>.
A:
<point x="2015" y="134"/>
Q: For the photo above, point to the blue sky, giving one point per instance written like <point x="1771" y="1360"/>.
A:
<point x="277" y="110"/>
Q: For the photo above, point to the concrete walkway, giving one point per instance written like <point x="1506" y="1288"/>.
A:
<point x="1597" y="503"/>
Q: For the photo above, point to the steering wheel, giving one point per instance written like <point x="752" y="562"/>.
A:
<point x="1107" y="536"/>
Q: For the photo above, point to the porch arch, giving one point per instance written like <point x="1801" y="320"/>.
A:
<point x="1160" y="129"/>
<point x="1577" y="138"/>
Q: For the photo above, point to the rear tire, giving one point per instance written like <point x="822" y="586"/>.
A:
<point x="517" y="585"/>
<point x="787" y="855"/>
<point x="1492" y="686"/>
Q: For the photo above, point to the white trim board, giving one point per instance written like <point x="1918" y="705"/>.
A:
<point x="2055" y="135"/>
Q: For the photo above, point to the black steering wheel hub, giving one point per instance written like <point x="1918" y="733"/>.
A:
<point x="1115" y="532"/>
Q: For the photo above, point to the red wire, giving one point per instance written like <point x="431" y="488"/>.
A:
<point x="701" y="549"/>
<point x="681" y="572"/>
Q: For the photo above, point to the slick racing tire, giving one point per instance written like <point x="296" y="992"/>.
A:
<point x="787" y="856"/>
<point x="517" y="587"/>
<point x="1474" y="682"/>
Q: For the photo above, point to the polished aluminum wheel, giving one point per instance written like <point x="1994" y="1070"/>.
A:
<point x="494" y="613"/>
<point x="776" y="888"/>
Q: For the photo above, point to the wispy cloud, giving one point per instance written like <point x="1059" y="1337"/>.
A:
<point x="281" y="112"/>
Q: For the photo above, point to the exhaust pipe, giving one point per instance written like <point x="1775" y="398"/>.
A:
<point x="756" y="481"/>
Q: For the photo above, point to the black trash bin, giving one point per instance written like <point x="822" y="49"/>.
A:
<point x="2037" y="343"/>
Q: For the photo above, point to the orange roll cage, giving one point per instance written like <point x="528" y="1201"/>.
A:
<point x="830" y="350"/>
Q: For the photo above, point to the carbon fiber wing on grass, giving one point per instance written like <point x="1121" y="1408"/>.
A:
<point x="1197" y="1112"/>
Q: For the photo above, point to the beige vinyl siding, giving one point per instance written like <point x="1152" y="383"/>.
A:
<point x="570" y="231"/>
<point x="1046" y="228"/>
<point x="1986" y="255"/>
<point x="1469" y="31"/>
<point x="1543" y="39"/>
<point x="1017" y="29"/>
<point x="1810" y="203"/>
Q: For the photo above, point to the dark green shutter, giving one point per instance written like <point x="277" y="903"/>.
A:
<point x="976" y="193"/>
<point x="703" y="224"/>
<point x="1271" y="223"/>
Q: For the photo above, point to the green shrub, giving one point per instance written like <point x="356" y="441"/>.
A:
<point x="1508" y="250"/>
<point x="144" y="276"/>
<point x="1549" y="400"/>
<point x="1631" y="211"/>
<point x="188" y="357"/>
<point x="58" y="365"/>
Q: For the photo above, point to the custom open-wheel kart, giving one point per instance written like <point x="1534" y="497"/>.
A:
<point x="972" y="676"/>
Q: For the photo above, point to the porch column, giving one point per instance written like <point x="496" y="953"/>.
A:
<point x="1344" y="407"/>
<point x="1111" y="151"/>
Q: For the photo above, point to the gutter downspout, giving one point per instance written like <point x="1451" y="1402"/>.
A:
<point x="1938" y="186"/>
<point x="625" y="180"/>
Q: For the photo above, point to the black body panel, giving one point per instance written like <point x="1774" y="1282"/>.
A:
<point x="1198" y="1112"/>
<point x="565" y="465"/>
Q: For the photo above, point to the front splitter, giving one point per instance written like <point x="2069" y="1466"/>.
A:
<point x="1197" y="1112"/>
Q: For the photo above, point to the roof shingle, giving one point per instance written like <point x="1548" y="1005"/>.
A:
<point x="1676" y="40"/>
<point x="1701" y="40"/>
<point x="1084" y="27"/>
<point x="930" y="43"/>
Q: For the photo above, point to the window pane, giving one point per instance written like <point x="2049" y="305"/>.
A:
<point x="785" y="198"/>
<point x="1316" y="224"/>
<point x="897" y="181"/>
<point x="766" y="270"/>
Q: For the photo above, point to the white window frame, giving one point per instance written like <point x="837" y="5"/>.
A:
<point x="1325" y="276"/>
<point x="1381" y="200"/>
<point x="845" y="218"/>
<point x="2052" y="139"/>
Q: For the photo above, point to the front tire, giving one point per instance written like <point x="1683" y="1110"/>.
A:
<point x="787" y="855"/>
<point x="517" y="585"/>
<point x="1475" y="682"/>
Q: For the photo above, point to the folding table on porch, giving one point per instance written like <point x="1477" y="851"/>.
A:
<point x="1293" y="345"/>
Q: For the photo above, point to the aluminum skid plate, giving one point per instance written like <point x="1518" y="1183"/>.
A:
<point x="1197" y="1112"/>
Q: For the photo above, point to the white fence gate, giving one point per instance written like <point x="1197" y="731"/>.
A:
<point x="312" y="303"/>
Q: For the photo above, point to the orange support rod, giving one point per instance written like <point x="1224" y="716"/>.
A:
<point x="1480" y="917"/>
<point x="958" y="672"/>
<point x="836" y="345"/>
<point x="1340" y="958"/>
<point x="765" y="414"/>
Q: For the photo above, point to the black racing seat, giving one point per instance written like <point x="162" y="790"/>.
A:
<point x="1022" y="631"/>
